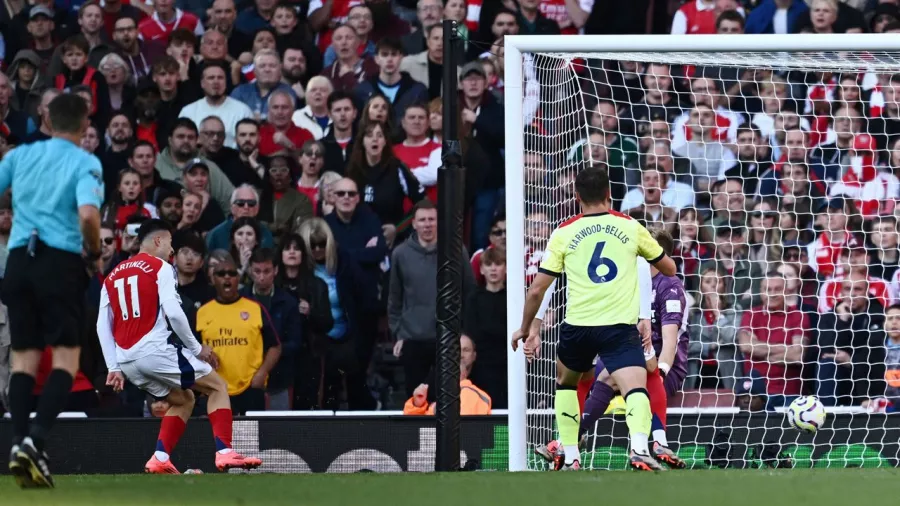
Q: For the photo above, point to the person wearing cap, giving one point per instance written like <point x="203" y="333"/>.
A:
<point x="427" y="67"/>
<point x="825" y="250"/>
<point x="40" y="27"/>
<point x="195" y="176"/>
<point x="750" y="392"/>
<point x="483" y="115"/>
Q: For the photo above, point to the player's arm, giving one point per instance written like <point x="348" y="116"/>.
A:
<point x="105" y="333"/>
<point x="671" y="305"/>
<point x="653" y="252"/>
<point x="535" y="297"/>
<point x="171" y="305"/>
<point x="89" y="197"/>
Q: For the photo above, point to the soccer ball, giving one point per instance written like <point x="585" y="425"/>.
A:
<point x="806" y="414"/>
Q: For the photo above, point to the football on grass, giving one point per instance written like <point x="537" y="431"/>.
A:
<point x="806" y="414"/>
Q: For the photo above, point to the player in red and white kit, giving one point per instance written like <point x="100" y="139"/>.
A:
<point x="138" y="303"/>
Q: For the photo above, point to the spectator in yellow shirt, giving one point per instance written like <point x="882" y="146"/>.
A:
<point x="472" y="400"/>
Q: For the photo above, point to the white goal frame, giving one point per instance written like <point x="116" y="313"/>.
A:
<point x="514" y="47"/>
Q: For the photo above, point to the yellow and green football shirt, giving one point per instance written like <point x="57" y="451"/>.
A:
<point x="598" y="253"/>
<point x="240" y="333"/>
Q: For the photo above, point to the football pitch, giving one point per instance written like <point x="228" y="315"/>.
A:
<point x="813" y="487"/>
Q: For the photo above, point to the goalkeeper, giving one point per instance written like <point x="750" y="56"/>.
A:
<point x="597" y="250"/>
<point x="666" y="356"/>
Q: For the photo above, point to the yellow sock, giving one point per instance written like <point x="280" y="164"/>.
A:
<point x="638" y="418"/>
<point x="568" y="415"/>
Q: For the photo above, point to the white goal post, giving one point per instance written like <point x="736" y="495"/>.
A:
<point x="526" y="57"/>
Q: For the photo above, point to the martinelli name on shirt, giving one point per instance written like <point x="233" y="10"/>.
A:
<point x="610" y="230"/>
<point x="140" y="264"/>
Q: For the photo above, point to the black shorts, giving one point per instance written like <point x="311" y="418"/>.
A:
<point x="618" y="346"/>
<point x="45" y="297"/>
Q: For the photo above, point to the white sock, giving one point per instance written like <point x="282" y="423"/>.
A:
<point x="225" y="450"/>
<point x="161" y="456"/>
<point x="639" y="444"/>
<point x="28" y="441"/>
<point x="659" y="435"/>
<point x="572" y="453"/>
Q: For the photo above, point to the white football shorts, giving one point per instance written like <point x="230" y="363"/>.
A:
<point x="162" y="370"/>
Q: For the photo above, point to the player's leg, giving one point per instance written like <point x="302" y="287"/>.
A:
<point x="567" y="410"/>
<point x="671" y="385"/>
<point x="575" y="353"/>
<point x="57" y="281"/>
<point x="218" y="407"/>
<point x="552" y="448"/>
<point x="602" y="393"/>
<point x="23" y="457"/>
<point x="181" y="405"/>
<point x="625" y="361"/>
<point x="45" y="302"/>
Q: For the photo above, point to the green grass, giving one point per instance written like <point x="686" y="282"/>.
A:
<point x="809" y="487"/>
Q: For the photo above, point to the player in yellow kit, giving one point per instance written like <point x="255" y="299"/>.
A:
<point x="597" y="250"/>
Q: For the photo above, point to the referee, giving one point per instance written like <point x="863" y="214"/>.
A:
<point x="57" y="191"/>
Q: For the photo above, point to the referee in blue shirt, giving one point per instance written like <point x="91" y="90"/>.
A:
<point x="57" y="191"/>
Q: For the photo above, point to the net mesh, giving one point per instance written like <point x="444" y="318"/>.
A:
<point x="775" y="175"/>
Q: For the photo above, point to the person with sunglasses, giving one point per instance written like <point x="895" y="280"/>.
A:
<point x="240" y="332"/>
<point x="312" y="160"/>
<point x="244" y="204"/>
<point x="107" y="246"/>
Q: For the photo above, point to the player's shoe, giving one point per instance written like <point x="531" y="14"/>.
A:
<point x="667" y="457"/>
<point x="30" y="467"/>
<point x="19" y="472"/>
<point x="559" y="463"/>
<point x="640" y="462"/>
<point x="549" y="451"/>
<point x="234" y="460"/>
<point x="156" y="466"/>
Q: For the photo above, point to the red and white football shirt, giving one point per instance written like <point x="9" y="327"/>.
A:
<point x="830" y="294"/>
<point x="340" y="10"/>
<point x="153" y="28"/>
<point x="135" y="290"/>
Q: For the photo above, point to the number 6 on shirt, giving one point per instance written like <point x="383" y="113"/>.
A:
<point x="597" y="261"/>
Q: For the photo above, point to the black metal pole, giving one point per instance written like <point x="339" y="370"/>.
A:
<point x="451" y="184"/>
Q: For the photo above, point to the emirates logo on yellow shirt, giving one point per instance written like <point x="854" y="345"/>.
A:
<point x="245" y="315"/>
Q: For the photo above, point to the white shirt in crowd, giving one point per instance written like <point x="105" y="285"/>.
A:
<point x="676" y="195"/>
<point x="230" y="112"/>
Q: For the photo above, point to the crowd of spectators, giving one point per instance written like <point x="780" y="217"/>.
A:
<point x="295" y="146"/>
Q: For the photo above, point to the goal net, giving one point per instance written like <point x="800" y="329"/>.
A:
<point x="773" y="164"/>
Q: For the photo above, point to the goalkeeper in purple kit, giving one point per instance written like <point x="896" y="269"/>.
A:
<point x="666" y="363"/>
